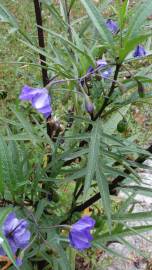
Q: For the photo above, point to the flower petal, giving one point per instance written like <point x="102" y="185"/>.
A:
<point x="28" y="92"/>
<point x="83" y="223"/>
<point x="40" y="100"/>
<point x="12" y="245"/>
<point x="10" y="224"/>
<point x="101" y="62"/>
<point x="22" y="238"/>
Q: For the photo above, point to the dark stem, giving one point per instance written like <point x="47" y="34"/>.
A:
<point x="106" y="100"/>
<point x="68" y="20"/>
<point x="41" y="42"/>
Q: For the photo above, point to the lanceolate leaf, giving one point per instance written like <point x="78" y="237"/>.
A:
<point x="123" y="233"/>
<point x="104" y="191"/>
<point x="138" y="190"/>
<point x="92" y="156"/>
<point x="133" y="216"/>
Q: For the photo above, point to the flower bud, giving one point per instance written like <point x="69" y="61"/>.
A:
<point x="88" y="105"/>
<point x="139" y="51"/>
<point x="112" y="26"/>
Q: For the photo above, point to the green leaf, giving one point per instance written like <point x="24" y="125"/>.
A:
<point x="6" y="168"/>
<point x="26" y="125"/>
<point x="40" y="208"/>
<point x="143" y="10"/>
<point x="122" y="12"/>
<point x="75" y="154"/>
<point x="63" y="261"/>
<point x="38" y="50"/>
<point x="104" y="191"/>
<point x="138" y="190"/>
<point x="76" y="175"/>
<point x="4" y="212"/>
<point x="123" y="233"/>
<point x="132" y="216"/>
<point x="8" y="250"/>
<point x="71" y="252"/>
<point x="65" y="41"/>
<point x="125" y="204"/>
<point x="47" y="258"/>
<point x="99" y="23"/>
<point x="92" y="156"/>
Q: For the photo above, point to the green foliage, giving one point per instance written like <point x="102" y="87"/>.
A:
<point x="51" y="174"/>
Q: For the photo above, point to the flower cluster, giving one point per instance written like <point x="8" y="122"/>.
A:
<point x="17" y="234"/>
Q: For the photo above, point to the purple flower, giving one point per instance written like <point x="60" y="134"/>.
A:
<point x="16" y="232"/>
<point x="39" y="98"/>
<point x="139" y="51"/>
<point x="102" y="64"/>
<point x="112" y="26"/>
<point x="79" y="235"/>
